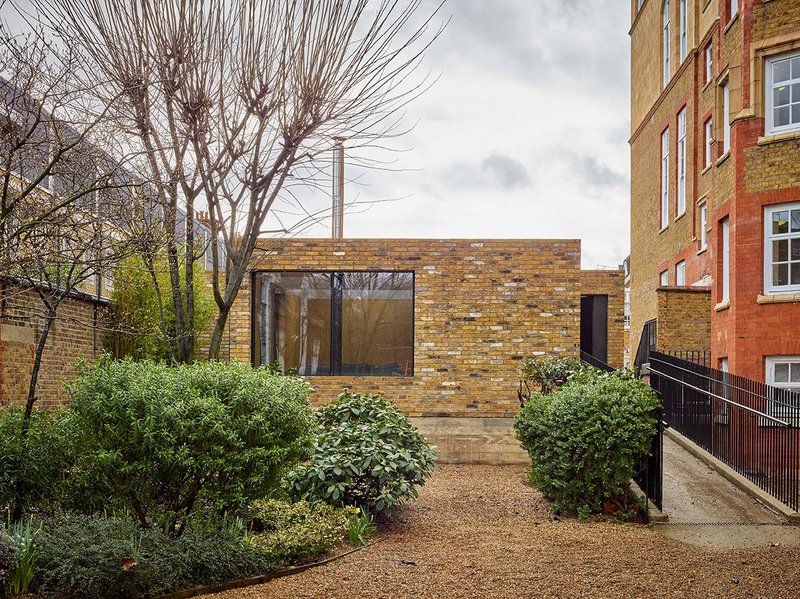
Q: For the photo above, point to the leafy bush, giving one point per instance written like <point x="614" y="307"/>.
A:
<point x="165" y="439"/>
<point x="91" y="556"/>
<point x="296" y="531"/>
<point x="586" y="439"/>
<point x="551" y="373"/>
<point x="33" y="466"/>
<point x="136" y="314"/>
<point x="367" y="454"/>
<point x="8" y="559"/>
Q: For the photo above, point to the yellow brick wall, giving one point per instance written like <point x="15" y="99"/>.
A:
<point x="72" y="336"/>
<point x="684" y="320"/>
<point x="480" y="307"/>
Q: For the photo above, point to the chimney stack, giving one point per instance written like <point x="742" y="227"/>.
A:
<point x="337" y="213"/>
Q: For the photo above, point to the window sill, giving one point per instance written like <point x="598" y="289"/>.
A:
<point x="702" y="250"/>
<point x="664" y="228"/>
<point x="723" y="305"/>
<point x="680" y="216"/>
<point x="723" y="158"/>
<point x="732" y="20"/>
<point x="707" y="168"/>
<point x="779" y="298"/>
<point x="779" y="137"/>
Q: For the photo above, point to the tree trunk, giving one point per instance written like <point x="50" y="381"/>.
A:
<point x="37" y="363"/>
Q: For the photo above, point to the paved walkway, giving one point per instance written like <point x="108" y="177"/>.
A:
<point x="479" y="531"/>
<point x="704" y="508"/>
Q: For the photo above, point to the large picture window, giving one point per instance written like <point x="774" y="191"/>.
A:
<point x="782" y="248"/>
<point x="335" y="323"/>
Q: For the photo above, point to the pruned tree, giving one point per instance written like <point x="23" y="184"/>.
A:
<point x="229" y="103"/>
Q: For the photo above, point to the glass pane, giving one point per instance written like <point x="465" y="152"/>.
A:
<point x="796" y="92"/>
<point x="795" y="220"/>
<point x="780" y="95"/>
<point x="780" y="250"/>
<point x="377" y="323"/>
<point x="781" y="116"/>
<point x="295" y="321"/>
<point x="795" y="373"/>
<point x="796" y="113"/>
<point x="796" y="68"/>
<point x="795" y="249"/>
<point x="780" y="274"/>
<point x="780" y="222"/>
<point x="780" y="71"/>
<point x="795" y="271"/>
<point x="782" y="372"/>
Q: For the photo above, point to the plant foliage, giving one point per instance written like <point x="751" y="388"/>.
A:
<point x="163" y="440"/>
<point x="8" y="559"/>
<point x="297" y="531"/>
<point x="551" y="373"/>
<point x="136" y="313"/>
<point x="366" y="454"/>
<point x="33" y="464"/>
<point x="93" y="556"/>
<point x="586" y="439"/>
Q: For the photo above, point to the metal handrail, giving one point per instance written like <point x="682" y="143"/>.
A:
<point x="726" y="383"/>
<point x="728" y="401"/>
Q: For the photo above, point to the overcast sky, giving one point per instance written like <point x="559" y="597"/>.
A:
<point x="523" y="135"/>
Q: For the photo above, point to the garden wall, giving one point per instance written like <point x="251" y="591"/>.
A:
<point x="74" y="335"/>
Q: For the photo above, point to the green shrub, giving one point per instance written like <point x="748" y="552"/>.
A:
<point x="297" y="531"/>
<point x="548" y="374"/>
<point x="91" y="556"/>
<point x="33" y="466"/>
<point x="136" y="315"/>
<point x="8" y="559"/>
<point x="586" y="439"/>
<point x="367" y="454"/>
<point x="165" y="439"/>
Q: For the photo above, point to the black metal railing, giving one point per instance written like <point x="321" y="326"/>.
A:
<point x="697" y="356"/>
<point x="647" y="343"/>
<point x="650" y="476"/>
<point x="752" y="427"/>
<point x="596" y="362"/>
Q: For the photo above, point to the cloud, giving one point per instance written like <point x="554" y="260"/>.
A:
<point x="507" y="171"/>
<point x="595" y="173"/>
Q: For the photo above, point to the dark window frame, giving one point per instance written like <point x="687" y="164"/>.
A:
<point x="336" y="314"/>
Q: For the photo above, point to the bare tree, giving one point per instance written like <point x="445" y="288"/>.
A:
<point x="61" y="198"/>
<point x="229" y="103"/>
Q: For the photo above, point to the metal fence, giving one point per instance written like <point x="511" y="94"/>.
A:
<point x="596" y="362"/>
<point x="752" y="427"/>
<point x="702" y="357"/>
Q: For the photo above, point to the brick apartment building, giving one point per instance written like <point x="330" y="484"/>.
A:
<point x="715" y="181"/>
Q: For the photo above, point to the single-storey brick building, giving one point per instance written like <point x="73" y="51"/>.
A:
<point x="439" y="326"/>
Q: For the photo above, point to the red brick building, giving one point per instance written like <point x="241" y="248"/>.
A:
<point x="715" y="178"/>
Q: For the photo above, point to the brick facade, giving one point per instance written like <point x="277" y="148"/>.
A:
<point x="480" y="307"/>
<point x="757" y="171"/>
<point x="74" y="335"/>
<point x="684" y="320"/>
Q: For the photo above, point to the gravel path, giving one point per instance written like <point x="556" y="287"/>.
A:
<point x="478" y="531"/>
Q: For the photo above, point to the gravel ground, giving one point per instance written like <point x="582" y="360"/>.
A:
<point x="478" y="531"/>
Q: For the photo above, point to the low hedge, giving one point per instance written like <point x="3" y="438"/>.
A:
<point x="585" y="440"/>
